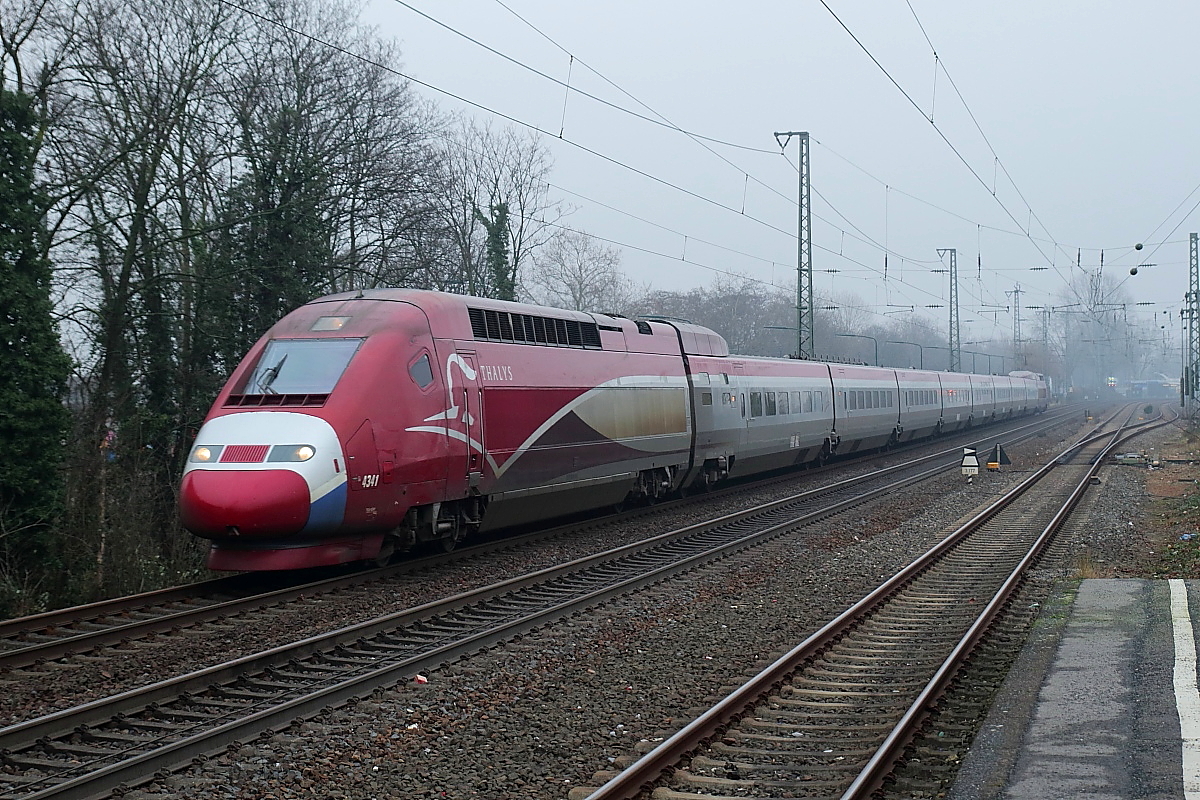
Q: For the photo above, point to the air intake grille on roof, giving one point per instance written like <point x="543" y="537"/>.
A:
<point x="504" y="326"/>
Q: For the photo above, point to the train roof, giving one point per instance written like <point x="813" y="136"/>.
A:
<point x="445" y="313"/>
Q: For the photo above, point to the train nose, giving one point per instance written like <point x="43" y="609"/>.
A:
<point x="216" y="503"/>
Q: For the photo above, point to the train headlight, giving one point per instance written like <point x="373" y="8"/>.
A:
<point x="205" y="453"/>
<point x="292" y="452"/>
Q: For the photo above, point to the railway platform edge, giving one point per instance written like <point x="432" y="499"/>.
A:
<point x="1091" y="709"/>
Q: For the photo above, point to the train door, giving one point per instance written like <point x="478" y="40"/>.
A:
<point x="469" y="396"/>
<point x="737" y="417"/>
<point x="362" y="459"/>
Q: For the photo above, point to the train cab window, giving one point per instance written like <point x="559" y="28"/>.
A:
<point x="756" y="407"/>
<point x="783" y="403"/>
<point x="301" y="366"/>
<point x="706" y="398"/>
<point x="769" y="397"/>
<point x="421" y="371"/>
<point x="725" y="377"/>
<point x="701" y="379"/>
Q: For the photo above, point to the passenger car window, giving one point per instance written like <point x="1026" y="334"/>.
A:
<point x="756" y="404"/>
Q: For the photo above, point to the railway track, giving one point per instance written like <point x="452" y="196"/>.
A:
<point x="833" y="716"/>
<point x="34" y="640"/>
<point x="127" y="738"/>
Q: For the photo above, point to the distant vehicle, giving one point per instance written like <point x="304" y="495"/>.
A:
<point x="1156" y="389"/>
<point x="364" y="423"/>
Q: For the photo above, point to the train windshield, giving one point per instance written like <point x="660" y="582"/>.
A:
<point x="301" y="366"/>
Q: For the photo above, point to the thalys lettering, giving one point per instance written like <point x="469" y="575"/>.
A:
<point x="355" y="441"/>
<point x="491" y="373"/>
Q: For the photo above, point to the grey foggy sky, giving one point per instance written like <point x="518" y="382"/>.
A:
<point x="1090" y="106"/>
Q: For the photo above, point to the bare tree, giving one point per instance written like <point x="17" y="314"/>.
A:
<point x="489" y="174"/>
<point x="577" y="271"/>
<point x="747" y="313"/>
<point x="24" y="39"/>
<point x="216" y="168"/>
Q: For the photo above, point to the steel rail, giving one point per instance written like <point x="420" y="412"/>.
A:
<point x="24" y="655"/>
<point x="875" y="772"/>
<point x="641" y="774"/>
<point x="137" y="767"/>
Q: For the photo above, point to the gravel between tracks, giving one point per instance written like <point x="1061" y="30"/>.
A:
<point x="72" y="681"/>
<point x="539" y="716"/>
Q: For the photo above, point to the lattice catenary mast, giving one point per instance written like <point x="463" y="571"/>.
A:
<point x="1192" y="312"/>
<point x="804" y="278"/>
<point x="955" y="356"/>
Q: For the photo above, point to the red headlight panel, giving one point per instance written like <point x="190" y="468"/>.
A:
<point x="244" y="454"/>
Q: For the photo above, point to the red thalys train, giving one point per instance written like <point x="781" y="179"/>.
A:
<point x="370" y="421"/>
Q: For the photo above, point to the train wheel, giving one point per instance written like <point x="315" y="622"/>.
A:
<point x="387" y="551"/>
<point x="822" y="457"/>
<point x="450" y="528"/>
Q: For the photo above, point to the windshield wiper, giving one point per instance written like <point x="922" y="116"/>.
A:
<point x="269" y="375"/>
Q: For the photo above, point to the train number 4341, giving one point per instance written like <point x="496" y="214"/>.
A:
<point x="370" y="481"/>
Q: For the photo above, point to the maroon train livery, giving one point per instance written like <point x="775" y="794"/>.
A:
<point x="366" y="422"/>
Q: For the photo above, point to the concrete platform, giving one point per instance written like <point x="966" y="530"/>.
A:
<point x="1093" y="706"/>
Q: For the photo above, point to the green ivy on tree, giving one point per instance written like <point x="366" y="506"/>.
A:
<point x="500" y="274"/>
<point x="33" y="420"/>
